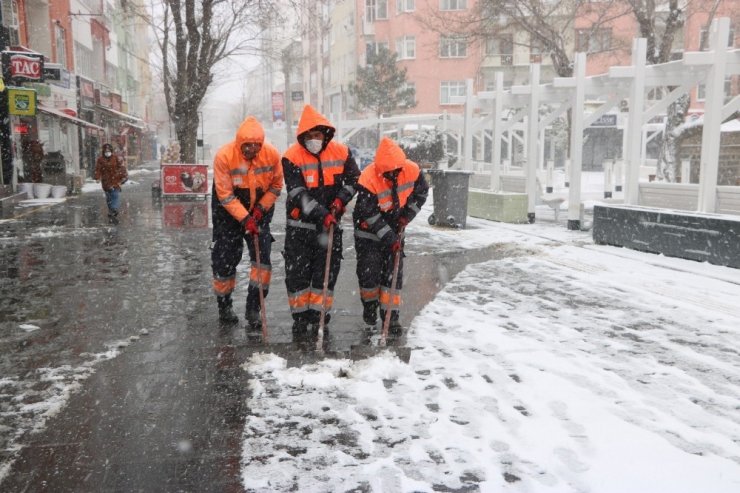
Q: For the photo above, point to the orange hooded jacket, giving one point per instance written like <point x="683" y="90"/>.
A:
<point x="388" y="157"/>
<point x="240" y="184"/>
<point x="314" y="182"/>
<point x="375" y="217"/>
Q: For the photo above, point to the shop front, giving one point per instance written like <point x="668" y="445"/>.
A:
<point x="59" y="129"/>
<point x="91" y="139"/>
<point x="125" y="130"/>
<point x="55" y="130"/>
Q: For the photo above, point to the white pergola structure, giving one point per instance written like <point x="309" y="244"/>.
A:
<point x="628" y="82"/>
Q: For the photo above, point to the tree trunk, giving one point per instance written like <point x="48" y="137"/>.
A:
<point x="187" y="134"/>
<point x="668" y="158"/>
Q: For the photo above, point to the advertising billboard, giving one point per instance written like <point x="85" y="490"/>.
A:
<point x="184" y="179"/>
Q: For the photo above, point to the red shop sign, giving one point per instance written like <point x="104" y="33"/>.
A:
<point x="25" y="67"/>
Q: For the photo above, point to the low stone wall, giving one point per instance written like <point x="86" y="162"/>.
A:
<point x="709" y="238"/>
<point x="497" y="206"/>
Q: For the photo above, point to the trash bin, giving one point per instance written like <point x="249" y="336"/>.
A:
<point x="450" y="191"/>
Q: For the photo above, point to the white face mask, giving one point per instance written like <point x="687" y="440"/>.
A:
<point x="314" y="145"/>
<point x="107" y="154"/>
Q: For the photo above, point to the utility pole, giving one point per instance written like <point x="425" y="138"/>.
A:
<point x="6" y="156"/>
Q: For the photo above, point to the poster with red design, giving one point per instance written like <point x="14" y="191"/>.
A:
<point x="184" y="179"/>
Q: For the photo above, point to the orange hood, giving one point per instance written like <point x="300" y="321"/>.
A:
<point x="389" y="156"/>
<point x="250" y="131"/>
<point x="311" y="118"/>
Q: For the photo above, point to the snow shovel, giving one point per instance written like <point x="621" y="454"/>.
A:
<point x="263" y="314"/>
<point x="403" y="353"/>
<point x="324" y="291"/>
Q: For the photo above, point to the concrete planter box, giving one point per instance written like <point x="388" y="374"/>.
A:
<point x="712" y="238"/>
<point x="505" y="207"/>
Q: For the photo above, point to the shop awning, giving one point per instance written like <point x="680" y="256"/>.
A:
<point x="134" y="121"/>
<point x="70" y="118"/>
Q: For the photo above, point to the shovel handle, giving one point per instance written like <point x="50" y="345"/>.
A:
<point x="325" y="289"/>
<point x="263" y="314"/>
<point x="387" y="319"/>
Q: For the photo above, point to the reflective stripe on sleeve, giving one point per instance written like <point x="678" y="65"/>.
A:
<point x="292" y="194"/>
<point x="372" y="220"/>
<point x="301" y="224"/>
<point x="309" y="206"/>
<point x="384" y="231"/>
<point x="366" y="235"/>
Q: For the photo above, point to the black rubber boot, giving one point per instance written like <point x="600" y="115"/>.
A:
<point x="226" y="313"/>
<point x="252" y="314"/>
<point x="254" y="320"/>
<point x="395" y="326"/>
<point x="315" y="323"/>
<point x="370" y="312"/>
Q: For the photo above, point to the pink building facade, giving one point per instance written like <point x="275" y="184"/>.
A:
<point x="437" y="65"/>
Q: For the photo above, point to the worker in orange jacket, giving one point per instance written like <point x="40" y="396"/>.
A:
<point x="390" y="193"/>
<point x="247" y="180"/>
<point x="320" y="177"/>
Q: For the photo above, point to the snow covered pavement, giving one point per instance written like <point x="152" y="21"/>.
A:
<point x="573" y="368"/>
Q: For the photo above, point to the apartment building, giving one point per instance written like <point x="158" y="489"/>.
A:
<point x="95" y="85"/>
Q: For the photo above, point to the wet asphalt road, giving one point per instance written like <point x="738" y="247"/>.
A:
<point x="166" y="413"/>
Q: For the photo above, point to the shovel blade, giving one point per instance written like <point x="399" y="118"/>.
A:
<point x="357" y="353"/>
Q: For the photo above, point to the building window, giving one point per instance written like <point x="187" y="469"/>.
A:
<point x="405" y="6"/>
<point x="111" y="75"/>
<point x="450" y="88"/>
<point x="10" y="21"/>
<point x="536" y="50"/>
<point x="593" y="41"/>
<point x="704" y="40"/>
<point x="655" y="94"/>
<point x="61" y="45"/>
<point x="372" y="49"/>
<point x="501" y="47"/>
<point x="452" y="4"/>
<point x="83" y="60"/>
<point x="452" y="47"/>
<point x="701" y="90"/>
<point x="376" y="9"/>
<point x="406" y="47"/>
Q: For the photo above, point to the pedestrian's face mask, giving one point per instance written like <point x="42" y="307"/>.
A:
<point x="314" y="145"/>
<point x="107" y="154"/>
